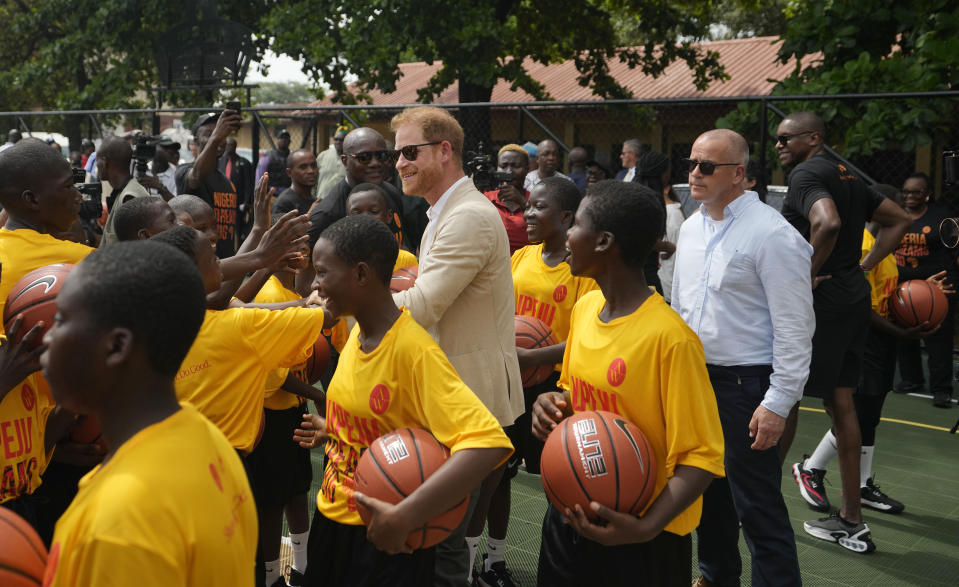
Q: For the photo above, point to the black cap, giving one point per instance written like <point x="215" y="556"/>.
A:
<point x="169" y="144"/>
<point x="205" y="119"/>
<point x="283" y="133"/>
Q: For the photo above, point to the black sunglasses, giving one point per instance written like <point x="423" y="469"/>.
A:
<point x="367" y="156"/>
<point x="411" y="152"/>
<point x="705" y="167"/>
<point x="783" y="139"/>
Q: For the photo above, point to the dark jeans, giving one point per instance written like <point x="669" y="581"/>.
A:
<point x="750" y="493"/>
<point x="939" y="347"/>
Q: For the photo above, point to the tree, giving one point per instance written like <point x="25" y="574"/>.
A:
<point x="480" y="43"/>
<point x="871" y="46"/>
<point x="282" y="93"/>
<point x="91" y="54"/>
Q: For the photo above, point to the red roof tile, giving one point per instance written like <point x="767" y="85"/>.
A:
<point x="750" y="63"/>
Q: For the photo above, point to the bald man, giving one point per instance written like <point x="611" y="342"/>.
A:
<point x="548" y="159"/>
<point x="742" y="283"/>
<point x="830" y="205"/>
<point x="366" y="160"/>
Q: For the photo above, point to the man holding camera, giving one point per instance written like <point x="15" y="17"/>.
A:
<point x="113" y="168"/>
<point x="510" y="198"/>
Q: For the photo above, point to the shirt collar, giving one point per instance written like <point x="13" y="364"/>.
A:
<point x="734" y="208"/>
<point x="434" y="211"/>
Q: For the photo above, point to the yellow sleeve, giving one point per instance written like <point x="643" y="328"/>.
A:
<point x="404" y="259"/>
<point x="584" y="285"/>
<point x="516" y="259"/>
<point x="450" y="409"/>
<point x="694" y="436"/>
<point x="106" y="563"/>
<point x="282" y="338"/>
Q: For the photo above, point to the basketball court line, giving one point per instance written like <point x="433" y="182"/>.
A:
<point x="893" y="420"/>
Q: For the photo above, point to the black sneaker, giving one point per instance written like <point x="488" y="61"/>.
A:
<point x="497" y="575"/>
<point x="873" y="498"/>
<point x="942" y="399"/>
<point x="854" y="537"/>
<point x="811" y="485"/>
<point x="908" y="387"/>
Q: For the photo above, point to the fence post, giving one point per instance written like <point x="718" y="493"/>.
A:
<point x="763" y="135"/>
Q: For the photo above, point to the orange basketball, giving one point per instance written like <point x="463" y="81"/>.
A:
<point x="34" y="296"/>
<point x="532" y="333"/>
<point x="394" y="466"/>
<point x="22" y="554"/>
<point x="87" y="430"/>
<point x="404" y="278"/>
<point x="318" y="361"/>
<point x="601" y="457"/>
<point x="919" y="301"/>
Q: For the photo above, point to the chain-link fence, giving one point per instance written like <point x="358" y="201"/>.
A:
<point x="669" y="126"/>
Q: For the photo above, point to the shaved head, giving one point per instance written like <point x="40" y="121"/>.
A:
<point x="808" y="121"/>
<point x="737" y="147"/>
<point x="360" y="136"/>
<point x="117" y="150"/>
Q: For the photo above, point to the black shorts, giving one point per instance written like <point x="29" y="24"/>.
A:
<point x="279" y="468"/>
<point x="338" y="554"/>
<point x="527" y="447"/>
<point x="878" y="364"/>
<point x="837" y="348"/>
<point x="566" y="558"/>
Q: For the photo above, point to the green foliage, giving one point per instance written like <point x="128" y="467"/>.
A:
<point x="282" y="93"/>
<point x="480" y="43"/>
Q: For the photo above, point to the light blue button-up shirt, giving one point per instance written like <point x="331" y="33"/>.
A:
<point x="742" y="284"/>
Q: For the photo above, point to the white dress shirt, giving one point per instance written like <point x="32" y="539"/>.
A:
<point x="742" y="284"/>
<point x="433" y="212"/>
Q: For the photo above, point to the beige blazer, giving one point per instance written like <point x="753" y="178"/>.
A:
<point x="463" y="296"/>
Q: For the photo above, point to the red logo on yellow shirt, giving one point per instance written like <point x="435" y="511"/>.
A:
<point x="559" y="294"/>
<point x="379" y="399"/>
<point x="28" y="397"/>
<point x="216" y="477"/>
<point x="616" y="373"/>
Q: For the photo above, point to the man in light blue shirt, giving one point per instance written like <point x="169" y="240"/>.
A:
<point x="742" y="283"/>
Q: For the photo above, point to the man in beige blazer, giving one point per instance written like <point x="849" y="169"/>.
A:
<point x="464" y="292"/>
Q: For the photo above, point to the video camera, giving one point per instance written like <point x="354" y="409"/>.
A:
<point x="144" y="150"/>
<point x="90" y="206"/>
<point x="481" y="167"/>
<point x="949" y="227"/>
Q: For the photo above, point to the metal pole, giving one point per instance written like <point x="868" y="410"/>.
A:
<point x="546" y="130"/>
<point x="763" y="135"/>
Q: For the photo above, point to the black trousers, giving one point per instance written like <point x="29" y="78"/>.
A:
<point x="939" y="347"/>
<point x="750" y="493"/>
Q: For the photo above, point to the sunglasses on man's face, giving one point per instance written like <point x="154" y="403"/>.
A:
<point x="705" y="167"/>
<point x="367" y="156"/>
<point x="411" y="152"/>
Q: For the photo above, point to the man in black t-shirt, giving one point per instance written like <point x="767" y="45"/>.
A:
<point x="303" y="172"/>
<point x="202" y="178"/>
<point x="367" y="160"/>
<point x="830" y="206"/>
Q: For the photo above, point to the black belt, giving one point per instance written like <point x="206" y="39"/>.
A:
<point x="742" y="370"/>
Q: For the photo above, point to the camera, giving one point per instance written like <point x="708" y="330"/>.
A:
<point x="90" y="206"/>
<point x="481" y="167"/>
<point x="144" y="150"/>
<point x="949" y="227"/>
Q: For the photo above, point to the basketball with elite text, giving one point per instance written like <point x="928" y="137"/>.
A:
<point x="598" y="456"/>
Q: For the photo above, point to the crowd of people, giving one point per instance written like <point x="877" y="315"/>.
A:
<point x="181" y="338"/>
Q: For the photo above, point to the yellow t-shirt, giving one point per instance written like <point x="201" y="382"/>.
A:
<point x="406" y="381"/>
<point x="404" y="259"/>
<point x="23" y="417"/>
<point x="171" y="507"/>
<point x="648" y="367"/>
<point x="273" y="292"/>
<point x="883" y="279"/>
<point x="23" y="250"/>
<point x="225" y="372"/>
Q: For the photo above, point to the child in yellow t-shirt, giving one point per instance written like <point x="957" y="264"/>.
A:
<point x="281" y="471"/>
<point x="40" y="200"/>
<point x="225" y="372"/>
<point x="545" y="289"/>
<point x="391" y="374"/>
<point x="631" y="354"/>
<point x="170" y="505"/>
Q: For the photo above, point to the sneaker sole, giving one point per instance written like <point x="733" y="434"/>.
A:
<point x="813" y="504"/>
<point x="842" y="538"/>
<point x="881" y="507"/>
